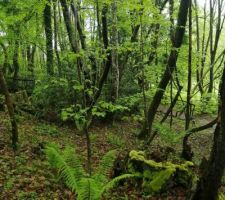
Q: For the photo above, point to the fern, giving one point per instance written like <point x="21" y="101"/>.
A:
<point x="105" y="166"/>
<point x="116" y="180"/>
<point x="221" y="196"/>
<point x="89" y="189"/>
<point x="72" y="173"/>
<point x="73" y="161"/>
<point x="68" y="165"/>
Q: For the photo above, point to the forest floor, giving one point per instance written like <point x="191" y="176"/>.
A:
<point x="26" y="174"/>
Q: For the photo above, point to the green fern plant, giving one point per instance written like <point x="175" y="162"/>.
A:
<point x="71" y="171"/>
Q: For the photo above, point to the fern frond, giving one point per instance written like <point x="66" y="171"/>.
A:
<point x="105" y="166"/>
<point x="66" y="164"/>
<point x="115" y="181"/>
<point x="74" y="162"/>
<point x="52" y="152"/>
<point x="90" y="190"/>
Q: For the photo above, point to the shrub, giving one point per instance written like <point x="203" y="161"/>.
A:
<point x="52" y="94"/>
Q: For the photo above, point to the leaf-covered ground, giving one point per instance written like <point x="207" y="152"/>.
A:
<point x="26" y="174"/>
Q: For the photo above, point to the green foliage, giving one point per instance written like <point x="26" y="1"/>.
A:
<point x="45" y="129"/>
<point x="221" y="196"/>
<point x="9" y="183"/>
<point x="51" y="93"/>
<point x="208" y="104"/>
<point x="27" y="195"/>
<point x="132" y="102"/>
<point x="167" y="134"/>
<point x="103" y="109"/>
<point x="77" y="114"/>
<point x="115" y="140"/>
<point x="72" y="173"/>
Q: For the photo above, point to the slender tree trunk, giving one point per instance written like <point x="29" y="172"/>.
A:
<point x="16" y="65"/>
<point x="186" y="153"/>
<point x="108" y="63"/>
<point x="204" y="48"/>
<point x="198" y="48"/>
<point x="69" y="27"/>
<point x="56" y="39"/>
<point x="214" y="43"/>
<point x="49" y="37"/>
<point x="115" y="66"/>
<point x="6" y="64"/>
<point x="171" y="64"/>
<point x="30" y="58"/>
<point x="10" y="107"/>
<point x="98" y="20"/>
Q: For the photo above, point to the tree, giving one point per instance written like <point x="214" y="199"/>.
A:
<point x="186" y="153"/>
<point x="210" y="181"/>
<point x="10" y="107"/>
<point x="49" y="37"/>
<point x="171" y="64"/>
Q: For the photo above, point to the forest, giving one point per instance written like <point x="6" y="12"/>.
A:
<point x="112" y="99"/>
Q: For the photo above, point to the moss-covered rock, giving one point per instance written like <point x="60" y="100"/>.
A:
<point x="159" y="176"/>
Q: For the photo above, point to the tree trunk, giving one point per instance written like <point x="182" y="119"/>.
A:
<point x="49" y="37"/>
<point x="214" y="43"/>
<point x="210" y="181"/>
<point x="186" y="153"/>
<point x="108" y="63"/>
<point x="171" y="64"/>
<point x="16" y="65"/>
<point x="6" y="64"/>
<point x="115" y="67"/>
<point x="56" y="38"/>
<point x="198" y="48"/>
<point x="10" y="107"/>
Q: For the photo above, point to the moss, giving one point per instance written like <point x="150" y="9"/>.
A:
<point x="137" y="155"/>
<point x="156" y="176"/>
<point x="140" y="156"/>
<point x="161" y="179"/>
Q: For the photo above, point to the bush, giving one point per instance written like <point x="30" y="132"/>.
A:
<point x="52" y="94"/>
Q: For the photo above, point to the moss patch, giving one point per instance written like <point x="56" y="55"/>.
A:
<point x="158" y="176"/>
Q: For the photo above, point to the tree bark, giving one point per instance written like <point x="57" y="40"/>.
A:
<point x="115" y="66"/>
<point x="10" y="107"/>
<point x="56" y="39"/>
<point x="186" y="152"/>
<point x="198" y="48"/>
<point x="49" y="37"/>
<point x="16" y="65"/>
